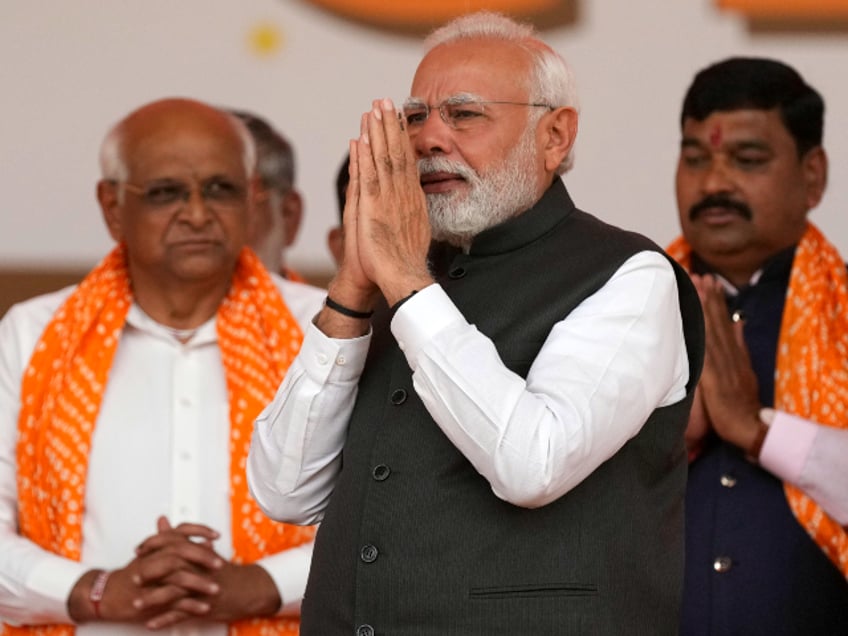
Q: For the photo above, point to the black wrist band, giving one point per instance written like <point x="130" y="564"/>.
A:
<point x="346" y="311"/>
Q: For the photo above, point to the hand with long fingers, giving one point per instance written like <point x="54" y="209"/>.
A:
<point x="728" y="386"/>
<point x="175" y="573"/>
<point x="393" y="228"/>
<point x="350" y="287"/>
<point x="241" y="592"/>
<point x="169" y="569"/>
<point x="214" y="589"/>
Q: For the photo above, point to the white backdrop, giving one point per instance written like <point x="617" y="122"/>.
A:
<point x="69" y="69"/>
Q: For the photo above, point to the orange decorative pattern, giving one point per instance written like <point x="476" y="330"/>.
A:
<point x="63" y="387"/>
<point x="811" y="379"/>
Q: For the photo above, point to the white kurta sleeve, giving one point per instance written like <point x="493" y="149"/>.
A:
<point x="601" y="372"/>
<point x="295" y="452"/>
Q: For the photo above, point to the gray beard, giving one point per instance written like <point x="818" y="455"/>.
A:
<point x="505" y="191"/>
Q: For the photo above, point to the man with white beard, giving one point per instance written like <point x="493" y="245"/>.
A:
<point x="493" y="444"/>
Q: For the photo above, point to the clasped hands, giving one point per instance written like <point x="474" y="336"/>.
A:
<point x="386" y="225"/>
<point x="176" y="576"/>
<point x="727" y="397"/>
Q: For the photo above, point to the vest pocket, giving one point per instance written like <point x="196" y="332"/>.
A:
<point x="533" y="591"/>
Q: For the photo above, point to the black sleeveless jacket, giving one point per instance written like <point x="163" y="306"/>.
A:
<point x="414" y="542"/>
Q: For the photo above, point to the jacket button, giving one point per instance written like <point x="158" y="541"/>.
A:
<point x="364" y="630"/>
<point x="398" y="397"/>
<point x="457" y="272"/>
<point x="368" y="553"/>
<point x="722" y="564"/>
<point x="728" y="481"/>
<point x="381" y="472"/>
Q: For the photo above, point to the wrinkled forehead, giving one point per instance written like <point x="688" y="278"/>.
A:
<point x="489" y="68"/>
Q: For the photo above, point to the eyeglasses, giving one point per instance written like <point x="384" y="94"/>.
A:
<point x="171" y="195"/>
<point x="460" y="112"/>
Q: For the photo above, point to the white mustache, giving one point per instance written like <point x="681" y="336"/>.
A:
<point x="429" y="165"/>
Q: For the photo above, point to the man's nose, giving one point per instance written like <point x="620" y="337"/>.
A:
<point x="718" y="177"/>
<point x="433" y="137"/>
<point x="195" y="209"/>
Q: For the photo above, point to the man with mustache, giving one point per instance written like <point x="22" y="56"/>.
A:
<point x="767" y="503"/>
<point x="498" y="449"/>
<point x="127" y="403"/>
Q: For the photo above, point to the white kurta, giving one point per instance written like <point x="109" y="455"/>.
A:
<point x="160" y="447"/>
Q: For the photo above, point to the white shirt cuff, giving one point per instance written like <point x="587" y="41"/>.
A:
<point x="328" y="359"/>
<point x="421" y="317"/>
<point x="289" y="569"/>
<point x="54" y="579"/>
<point x="787" y="446"/>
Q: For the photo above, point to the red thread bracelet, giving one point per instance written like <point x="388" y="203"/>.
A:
<point x="97" y="589"/>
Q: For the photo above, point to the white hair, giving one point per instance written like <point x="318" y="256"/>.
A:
<point x="552" y="81"/>
<point x="113" y="164"/>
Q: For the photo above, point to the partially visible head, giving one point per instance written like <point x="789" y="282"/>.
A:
<point x="742" y="83"/>
<point x="278" y="208"/>
<point x="492" y="117"/>
<point x="751" y="162"/>
<point x="549" y="81"/>
<point x="175" y="189"/>
<point x="335" y="235"/>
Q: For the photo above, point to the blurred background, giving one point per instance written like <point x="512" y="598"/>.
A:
<point x="70" y="69"/>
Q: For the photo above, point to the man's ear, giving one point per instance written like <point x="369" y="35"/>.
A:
<point x="257" y="198"/>
<point x="335" y="243"/>
<point x="560" y="131"/>
<point x="110" y="207"/>
<point x="814" y="166"/>
<point x="292" y="211"/>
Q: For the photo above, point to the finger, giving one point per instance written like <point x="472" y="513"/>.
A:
<point x="158" y="598"/>
<point x="161" y="565"/>
<point x="162" y="524"/>
<point x="392" y="154"/>
<point x="194" y="582"/>
<point x="189" y="609"/>
<point x="351" y="209"/>
<point x="197" y="530"/>
<point x="718" y="325"/>
<point x="183" y="532"/>
<point x="368" y="180"/>
<point x="739" y="334"/>
<point x="700" y="285"/>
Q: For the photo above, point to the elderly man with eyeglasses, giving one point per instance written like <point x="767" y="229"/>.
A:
<point x="492" y="438"/>
<point x="127" y="402"/>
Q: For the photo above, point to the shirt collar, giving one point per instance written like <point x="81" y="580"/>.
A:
<point x="138" y="319"/>
<point x="777" y="267"/>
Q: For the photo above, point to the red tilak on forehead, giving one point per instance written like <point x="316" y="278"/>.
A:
<point x="715" y="136"/>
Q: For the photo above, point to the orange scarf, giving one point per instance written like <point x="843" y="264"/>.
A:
<point x="811" y="379"/>
<point x="291" y="274"/>
<point x="63" y="387"/>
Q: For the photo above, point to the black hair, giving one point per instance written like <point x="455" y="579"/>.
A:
<point x="342" y="179"/>
<point x="763" y="84"/>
